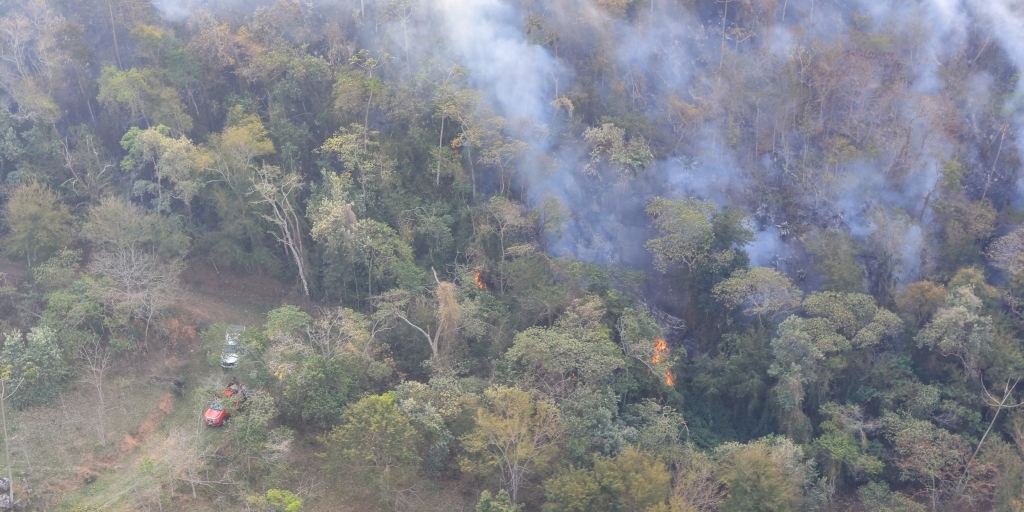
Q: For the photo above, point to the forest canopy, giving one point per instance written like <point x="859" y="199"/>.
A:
<point x="553" y="255"/>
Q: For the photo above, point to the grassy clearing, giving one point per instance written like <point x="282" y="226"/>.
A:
<point x="149" y="425"/>
<point x="56" y="449"/>
<point x="143" y="477"/>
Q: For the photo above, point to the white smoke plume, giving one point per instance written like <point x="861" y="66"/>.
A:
<point x="661" y="52"/>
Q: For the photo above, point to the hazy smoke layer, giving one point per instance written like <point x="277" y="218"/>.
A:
<point x="666" y="58"/>
<point x="486" y="36"/>
<point x="1004" y="21"/>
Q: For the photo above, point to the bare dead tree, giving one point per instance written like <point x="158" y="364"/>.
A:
<point x="277" y="190"/>
<point x="96" y="360"/>
<point x="447" y="314"/>
<point x="142" y="284"/>
<point x="187" y="456"/>
<point x="335" y="328"/>
<point x="988" y="179"/>
<point x="999" y="405"/>
<point x="8" y="387"/>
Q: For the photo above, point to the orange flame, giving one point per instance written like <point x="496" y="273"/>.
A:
<point x="670" y="379"/>
<point x="478" y="279"/>
<point x="660" y="351"/>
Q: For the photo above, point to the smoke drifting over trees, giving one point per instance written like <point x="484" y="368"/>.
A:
<point x="671" y="255"/>
<point x="851" y="105"/>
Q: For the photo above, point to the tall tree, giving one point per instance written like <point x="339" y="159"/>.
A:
<point x="694" y="234"/>
<point x="39" y="223"/>
<point x="278" y="191"/>
<point x="631" y="481"/>
<point x="447" y="316"/>
<point x="958" y="329"/>
<point x="140" y="95"/>
<point x="759" y="291"/>
<point x="516" y="435"/>
<point x="96" y="360"/>
<point x="378" y="441"/>
<point x="140" y="255"/>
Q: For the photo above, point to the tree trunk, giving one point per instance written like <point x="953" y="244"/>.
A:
<point x="7" y="444"/>
<point x="102" y="410"/>
<point x="366" y="121"/>
<point x="440" y="147"/>
<point x="472" y="171"/>
<point x="369" y="278"/>
<point x="113" y="30"/>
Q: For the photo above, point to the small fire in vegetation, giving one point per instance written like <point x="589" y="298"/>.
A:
<point x="660" y="351"/>
<point x="661" y="356"/>
<point x="478" y="279"/>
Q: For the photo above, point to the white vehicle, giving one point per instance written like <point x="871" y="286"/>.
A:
<point x="232" y="342"/>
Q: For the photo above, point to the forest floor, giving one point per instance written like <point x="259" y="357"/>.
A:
<point x="62" y="461"/>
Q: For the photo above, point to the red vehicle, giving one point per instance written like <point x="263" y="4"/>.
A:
<point x="216" y="415"/>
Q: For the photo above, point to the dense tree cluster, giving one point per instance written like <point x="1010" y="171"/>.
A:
<point x="746" y="255"/>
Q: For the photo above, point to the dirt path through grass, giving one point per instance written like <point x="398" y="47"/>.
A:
<point x="78" y="471"/>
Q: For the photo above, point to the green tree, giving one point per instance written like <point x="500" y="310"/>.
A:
<point x="427" y="409"/>
<point x="939" y="461"/>
<point x="632" y="481"/>
<point x="964" y="225"/>
<point x="843" y="443"/>
<point x="276" y="500"/>
<point x="38" y="222"/>
<point x="256" y="443"/>
<point x="695" y="234"/>
<point x="361" y="153"/>
<point x="37" y="359"/>
<point x="501" y="151"/>
<point x="759" y="292"/>
<point x="736" y="379"/>
<point x="756" y="481"/>
<point x="877" y="496"/>
<point x="174" y="161"/>
<point x="687" y="232"/>
<point x="376" y="441"/>
<point x="661" y="429"/>
<point x="609" y="146"/>
<point x="809" y="352"/>
<point x="516" y="435"/>
<point x="642" y="339"/>
<point x="317" y="364"/>
<point x="509" y="221"/>
<point x="560" y="360"/>
<point x="332" y="218"/>
<point x="575" y="491"/>
<point x="239" y="234"/>
<point x="380" y="248"/>
<point x="140" y="95"/>
<point x="958" y="329"/>
<point x="887" y="266"/>
<point x="836" y="256"/>
<point x="287" y="320"/>
<point x="499" y="503"/>
<point x="315" y="389"/>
